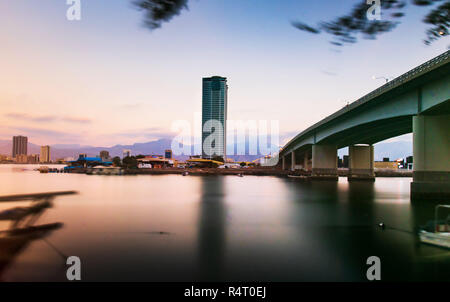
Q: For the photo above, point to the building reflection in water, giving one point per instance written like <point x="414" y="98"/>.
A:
<point x="212" y="229"/>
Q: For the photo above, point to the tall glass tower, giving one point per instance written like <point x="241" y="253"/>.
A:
<point x="214" y="117"/>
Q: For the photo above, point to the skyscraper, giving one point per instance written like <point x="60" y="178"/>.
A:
<point x="19" y="146"/>
<point x="45" y="154"/>
<point x="214" y="117"/>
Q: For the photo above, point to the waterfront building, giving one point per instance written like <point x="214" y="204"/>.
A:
<point x="409" y="162"/>
<point x="33" y="159"/>
<point x="21" y="158"/>
<point x="19" y="145"/>
<point x="168" y="154"/>
<point x="104" y="155"/>
<point x="214" y="113"/>
<point x="27" y="159"/>
<point x="345" y="161"/>
<point x="390" y="165"/>
<point x="45" y="154"/>
<point x="87" y="162"/>
<point x="203" y="163"/>
<point x="153" y="161"/>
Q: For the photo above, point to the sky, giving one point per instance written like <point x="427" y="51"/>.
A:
<point x="107" y="80"/>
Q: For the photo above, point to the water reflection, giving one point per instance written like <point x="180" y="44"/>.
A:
<point x="212" y="229"/>
<point x="14" y="242"/>
<point x="22" y="231"/>
<point x="221" y="228"/>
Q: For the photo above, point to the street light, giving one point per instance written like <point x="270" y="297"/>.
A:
<point x="377" y="78"/>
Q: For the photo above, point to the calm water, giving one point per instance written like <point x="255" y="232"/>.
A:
<point x="222" y="228"/>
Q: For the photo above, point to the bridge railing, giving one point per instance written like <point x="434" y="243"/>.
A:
<point x="413" y="73"/>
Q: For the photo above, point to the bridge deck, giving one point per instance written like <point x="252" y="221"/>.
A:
<point x="408" y="77"/>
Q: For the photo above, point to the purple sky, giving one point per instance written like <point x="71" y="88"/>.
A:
<point x="106" y="80"/>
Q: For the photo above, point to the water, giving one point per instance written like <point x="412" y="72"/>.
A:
<point x="222" y="228"/>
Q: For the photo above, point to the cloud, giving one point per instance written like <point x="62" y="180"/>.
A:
<point x="48" y="134"/>
<point x="330" y="73"/>
<point x="26" y="117"/>
<point x="76" y="120"/>
<point x="131" y="106"/>
<point x="47" y="118"/>
<point x="147" y="133"/>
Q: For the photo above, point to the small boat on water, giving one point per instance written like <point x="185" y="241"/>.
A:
<point x="304" y="177"/>
<point x="438" y="232"/>
<point x="43" y="169"/>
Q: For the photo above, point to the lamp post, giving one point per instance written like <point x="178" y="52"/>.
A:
<point x="377" y="78"/>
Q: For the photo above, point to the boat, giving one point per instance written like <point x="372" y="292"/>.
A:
<point x="43" y="169"/>
<point x="438" y="232"/>
<point x="304" y="177"/>
<point x="22" y="228"/>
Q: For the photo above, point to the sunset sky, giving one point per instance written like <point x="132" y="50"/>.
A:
<point x="107" y="80"/>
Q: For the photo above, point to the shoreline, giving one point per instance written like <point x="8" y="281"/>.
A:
<point x="253" y="172"/>
<point x="259" y="171"/>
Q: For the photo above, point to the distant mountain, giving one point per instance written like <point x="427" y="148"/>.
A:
<point x="393" y="150"/>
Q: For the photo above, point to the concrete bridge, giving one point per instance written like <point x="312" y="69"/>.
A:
<point x="417" y="102"/>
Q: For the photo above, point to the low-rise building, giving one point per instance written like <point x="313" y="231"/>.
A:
<point x="21" y="159"/>
<point x="203" y="163"/>
<point x="154" y="162"/>
<point x="33" y="159"/>
<point x="391" y="165"/>
<point x="84" y="161"/>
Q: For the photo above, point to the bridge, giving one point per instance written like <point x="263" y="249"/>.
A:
<point x="417" y="101"/>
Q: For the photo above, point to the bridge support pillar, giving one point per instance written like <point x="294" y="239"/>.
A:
<point x="324" y="162"/>
<point x="431" y="156"/>
<point x="293" y="161"/>
<point x="306" y="162"/>
<point x="360" y="165"/>
<point x="283" y="163"/>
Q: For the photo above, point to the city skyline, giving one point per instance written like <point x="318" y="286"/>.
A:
<point x="277" y="71"/>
